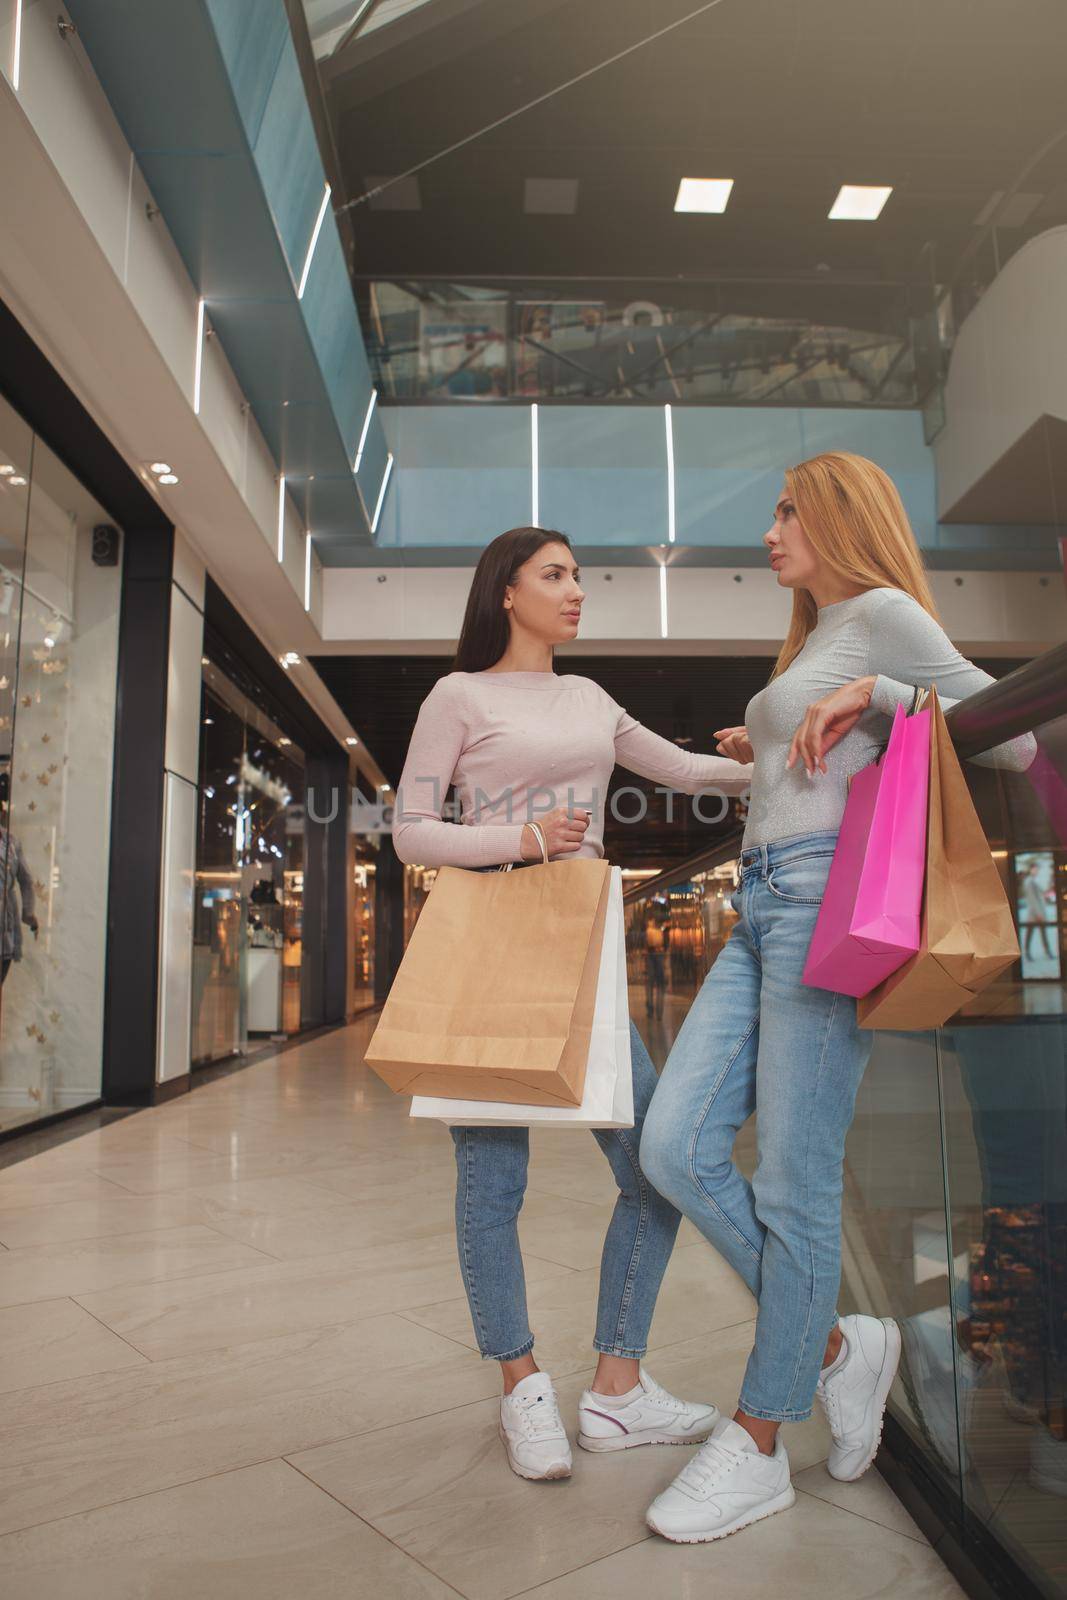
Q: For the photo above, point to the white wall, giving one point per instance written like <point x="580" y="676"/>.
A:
<point x="1008" y="368"/>
<point x="710" y="610"/>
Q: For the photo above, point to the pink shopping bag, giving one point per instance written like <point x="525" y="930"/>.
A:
<point x="868" y="924"/>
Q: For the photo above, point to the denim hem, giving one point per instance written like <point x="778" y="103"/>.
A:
<point x="625" y="1355"/>
<point x="511" y="1355"/>
<point x="764" y="1414"/>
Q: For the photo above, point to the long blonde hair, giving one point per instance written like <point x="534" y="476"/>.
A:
<point x="855" y="521"/>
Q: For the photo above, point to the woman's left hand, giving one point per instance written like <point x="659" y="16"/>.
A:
<point x="828" y="720"/>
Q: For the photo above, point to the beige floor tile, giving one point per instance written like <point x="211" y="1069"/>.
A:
<point x="111" y="1211"/>
<point x="813" y="1549"/>
<point x="24" y="1188"/>
<point x="251" y="1197"/>
<point x="574" y="1236"/>
<point x="388" y="1177"/>
<point x="205" y="1313"/>
<point x="357" y="1224"/>
<point x="264" y="1531"/>
<point x="441" y="1489"/>
<point x="128" y="1259"/>
<point x="870" y="1497"/>
<point x="698" y="1294"/>
<point x="55" y="1339"/>
<point x="76" y="1445"/>
<point x="710" y="1368"/>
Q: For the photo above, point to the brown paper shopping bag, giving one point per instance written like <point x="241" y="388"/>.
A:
<point x="494" y="997"/>
<point x="968" y="936"/>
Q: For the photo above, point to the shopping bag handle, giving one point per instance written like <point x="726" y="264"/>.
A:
<point x="539" y="835"/>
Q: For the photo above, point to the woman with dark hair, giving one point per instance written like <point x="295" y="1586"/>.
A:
<point x="530" y="752"/>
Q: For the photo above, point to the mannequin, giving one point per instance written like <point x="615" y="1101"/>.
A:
<point x="16" y="885"/>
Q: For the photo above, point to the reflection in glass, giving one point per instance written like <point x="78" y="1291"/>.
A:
<point x="248" y="932"/>
<point x="58" y="653"/>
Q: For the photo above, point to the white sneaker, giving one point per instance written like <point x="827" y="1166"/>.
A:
<point x="654" y="1417"/>
<point x="854" y="1393"/>
<point x="533" y="1431"/>
<point x="1048" y="1462"/>
<point x="726" y="1485"/>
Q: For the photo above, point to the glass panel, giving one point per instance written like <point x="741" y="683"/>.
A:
<point x="1005" y="1093"/>
<point x="466" y="342"/>
<point x="672" y="938"/>
<point x="60" y="605"/>
<point x="273" y="877"/>
<point x="218" y="1026"/>
<point x="248" y="939"/>
<point x="364" y="875"/>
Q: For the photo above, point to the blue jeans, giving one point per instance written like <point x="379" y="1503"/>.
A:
<point x="491" y="1165"/>
<point x="756" y="1039"/>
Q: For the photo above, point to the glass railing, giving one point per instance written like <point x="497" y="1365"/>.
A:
<point x="746" y="343"/>
<point x="955" y="1210"/>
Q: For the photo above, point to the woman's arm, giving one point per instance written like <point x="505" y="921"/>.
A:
<point x="642" y="751"/>
<point x="910" y="650"/>
<point x="419" y="832"/>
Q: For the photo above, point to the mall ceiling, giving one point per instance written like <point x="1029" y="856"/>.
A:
<point x="945" y="100"/>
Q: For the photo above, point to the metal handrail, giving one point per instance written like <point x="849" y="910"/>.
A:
<point x="1026" y="699"/>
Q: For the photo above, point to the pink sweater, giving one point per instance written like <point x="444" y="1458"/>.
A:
<point x="542" y="739"/>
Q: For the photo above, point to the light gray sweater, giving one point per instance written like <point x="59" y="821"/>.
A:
<point x="882" y="631"/>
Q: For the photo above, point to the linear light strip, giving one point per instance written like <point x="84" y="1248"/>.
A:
<point x="319" y="220"/>
<point x="373" y="401"/>
<point x="535" y="470"/>
<point x="199" y="368"/>
<point x="16" y="54"/>
<point x="381" y="493"/>
<point x="663" y="633"/>
<point x="307" y="571"/>
<point x="281" y="517"/>
<point x="668" y="417"/>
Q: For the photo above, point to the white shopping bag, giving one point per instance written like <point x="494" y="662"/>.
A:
<point x="608" y="1100"/>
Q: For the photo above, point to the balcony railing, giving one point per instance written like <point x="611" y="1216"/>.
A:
<point x="803" y="344"/>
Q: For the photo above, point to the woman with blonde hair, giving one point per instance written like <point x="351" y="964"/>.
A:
<point x="864" y="639"/>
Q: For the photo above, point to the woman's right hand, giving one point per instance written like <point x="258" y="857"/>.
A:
<point x="564" y="831"/>
<point x="734" y="742"/>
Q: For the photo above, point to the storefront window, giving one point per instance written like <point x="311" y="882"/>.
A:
<point x="59" y="609"/>
<point x="365" y="876"/>
<point x="248" y="932"/>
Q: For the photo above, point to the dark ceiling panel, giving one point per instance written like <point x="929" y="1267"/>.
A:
<point x="788" y="97"/>
<point x="680" y="697"/>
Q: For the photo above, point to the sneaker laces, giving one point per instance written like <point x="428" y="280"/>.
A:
<point x="656" y="1392"/>
<point x="540" y="1415"/>
<point x="831" y="1402"/>
<point x="711" y="1462"/>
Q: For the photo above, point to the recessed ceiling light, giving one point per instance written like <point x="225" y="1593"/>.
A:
<point x="289" y="659"/>
<point x="6" y="471"/>
<point x="160" y="466"/>
<point x="703" y="194"/>
<point x="546" y="197"/>
<point x="859" y="202"/>
<point x="283" y="740"/>
<point x="168" y="477"/>
<point x="351" y="741"/>
<point x="18" y="480"/>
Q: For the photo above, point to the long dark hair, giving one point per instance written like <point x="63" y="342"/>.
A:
<point x="486" y="632"/>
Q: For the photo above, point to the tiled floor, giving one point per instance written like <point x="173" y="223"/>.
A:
<point x="236" y="1362"/>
